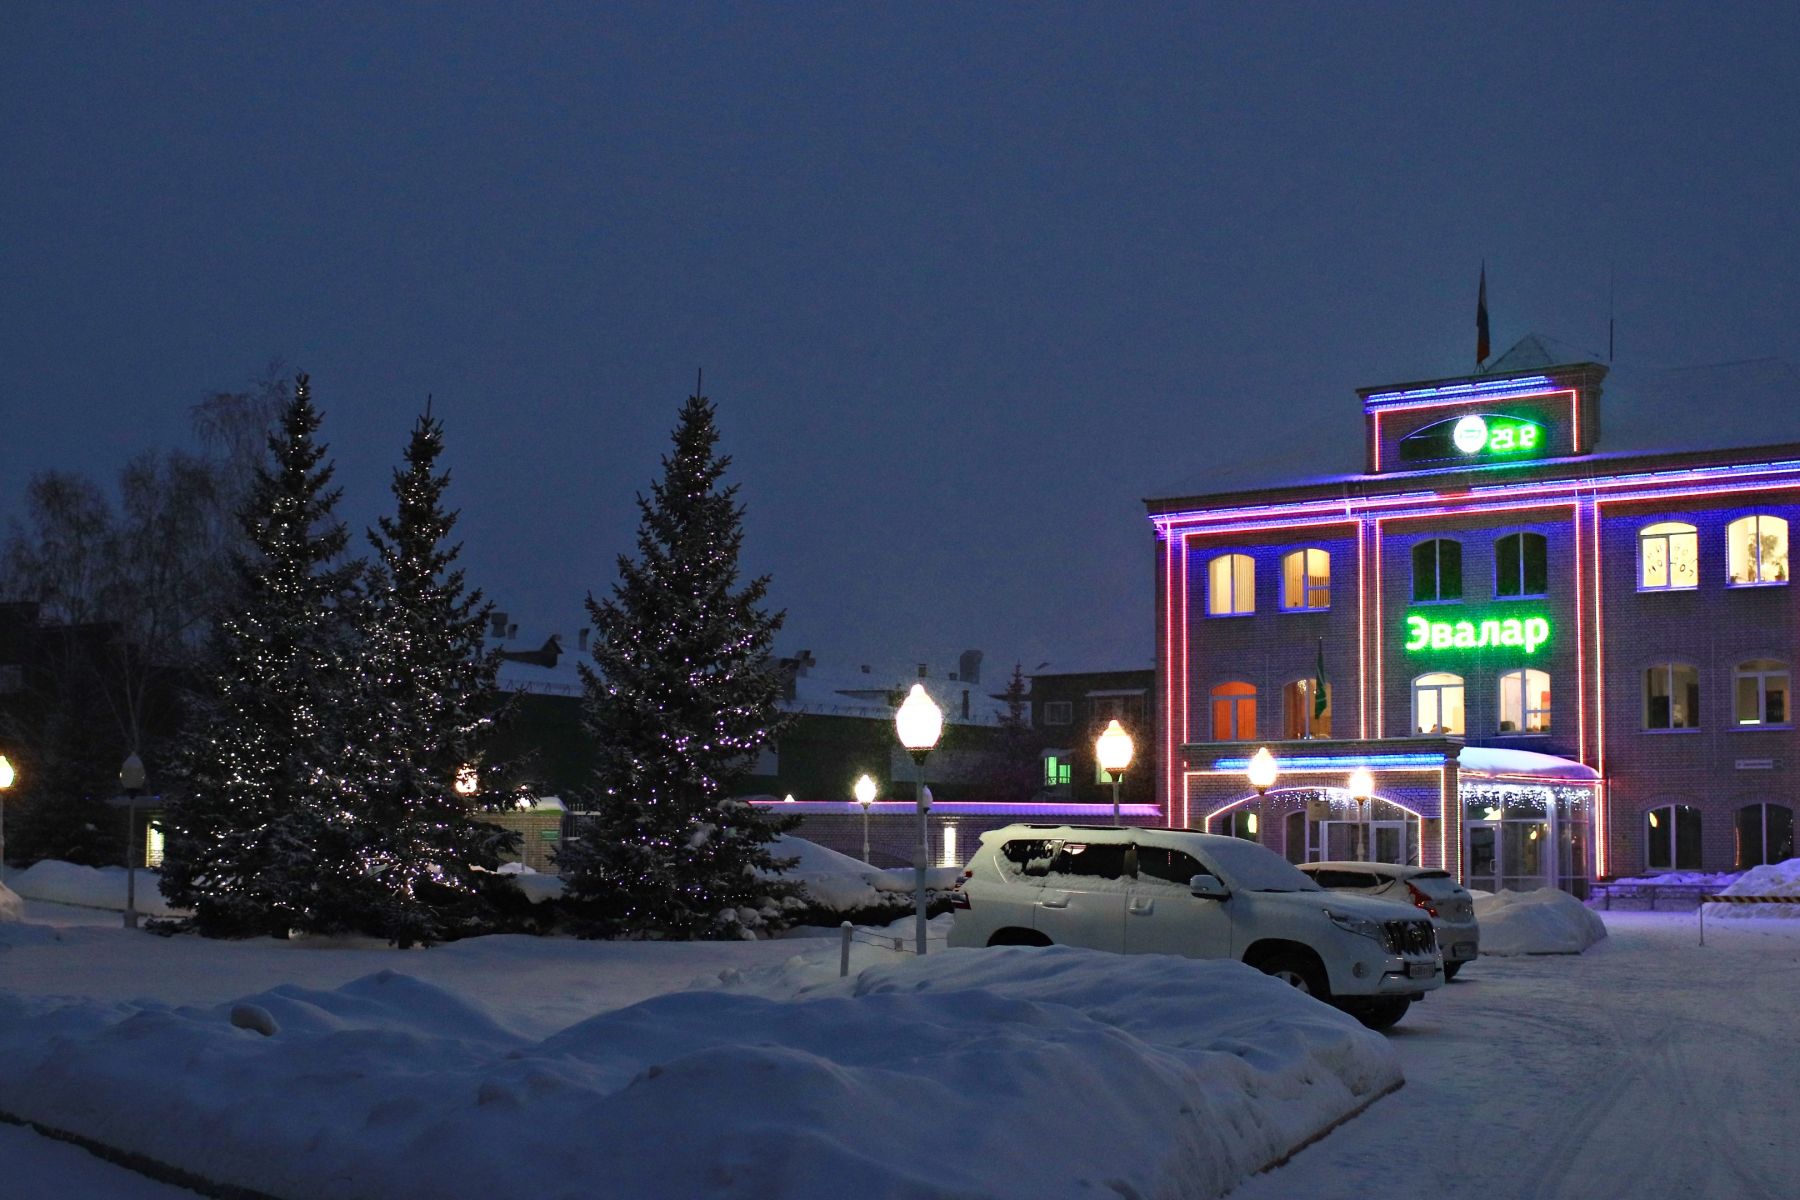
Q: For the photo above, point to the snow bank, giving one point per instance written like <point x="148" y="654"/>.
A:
<point x="1772" y="879"/>
<point x="844" y="884"/>
<point x="11" y="907"/>
<point x="1007" y="1072"/>
<point x="1718" y="879"/>
<point x="91" y="887"/>
<point x="1546" y="921"/>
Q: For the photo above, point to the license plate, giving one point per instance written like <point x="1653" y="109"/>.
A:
<point x="1420" y="970"/>
<point x="1463" y="950"/>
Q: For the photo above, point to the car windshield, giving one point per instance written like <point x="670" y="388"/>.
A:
<point x="1253" y="868"/>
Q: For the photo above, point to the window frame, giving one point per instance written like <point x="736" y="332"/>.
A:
<point x="1676" y="845"/>
<point x="1542" y="544"/>
<point x="1461" y="685"/>
<point x="1060" y="761"/>
<point x="1762" y="808"/>
<point x="1437" y="571"/>
<point x="1777" y="668"/>
<point x="1731" y="539"/>
<point x="1231" y="558"/>
<point x="1523" y="675"/>
<point x="1059" y="712"/>
<point x="1666" y="532"/>
<point x="1217" y="695"/>
<point x="1314" y="728"/>
<point x="1668" y="668"/>
<point x="1307" y="586"/>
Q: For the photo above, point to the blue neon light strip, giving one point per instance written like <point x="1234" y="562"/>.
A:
<point x="1340" y="760"/>
<point x="1488" y="389"/>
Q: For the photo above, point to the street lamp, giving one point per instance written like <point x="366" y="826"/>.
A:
<point x="7" y="775"/>
<point x="1262" y="771"/>
<point x="919" y="723"/>
<point x="1113" y="749"/>
<point x="131" y="782"/>
<point x="865" y="796"/>
<point x="1362" y="787"/>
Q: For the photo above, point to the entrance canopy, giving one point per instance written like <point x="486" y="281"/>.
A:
<point x="1522" y="764"/>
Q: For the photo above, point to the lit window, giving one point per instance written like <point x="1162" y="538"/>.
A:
<point x="1672" y="838"/>
<point x="1234" y="712"/>
<point x="1243" y="825"/>
<point x="950" y="859"/>
<point x="1437" y="570"/>
<point x="1438" y="704"/>
<point x="153" y="845"/>
<point x="1520" y="566"/>
<point x="1300" y="716"/>
<point x="1525" y="702"/>
<point x="1668" y="557"/>
<point x="1761" y="686"/>
<point x="1765" y="834"/>
<point x="1231" y="585"/>
<point x="1306" y="579"/>
<point x="1757" y="549"/>
<point x="1059" y="712"/>
<point x="1056" y="771"/>
<point x="1671" y="696"/>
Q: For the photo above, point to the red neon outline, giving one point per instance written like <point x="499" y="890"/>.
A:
<point x="1602" y="851"/>
<point x="1580" y="651"/>
<point x="1362" y="636"/>
<point x="1380" y="665"/>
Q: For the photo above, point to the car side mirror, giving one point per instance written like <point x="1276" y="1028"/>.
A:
<point x="1207" y="887"/>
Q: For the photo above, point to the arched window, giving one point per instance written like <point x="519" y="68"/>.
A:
<point x="1438" y="704"/>
<point x="1437" y="570"/>
<point x="1521" y="565"/>
<point x="1231" y="585"/>
<point x="1306" y="579"/>
<point x="1244" y="825"/>
<point x="1525" y="701"/>
<point x="1671" y="696"/>
<point x="1668" y="557"/>
<point x="1760" y="687"/>
<point x="1301" y="715"/>
<point x="1672" y="838"/>
<point x="1756" y="550"/>
<point x="1765" y="834"/>
<point x="1234" y="712"/>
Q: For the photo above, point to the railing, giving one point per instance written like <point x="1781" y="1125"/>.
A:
<point x="1689" y="893"/>
<point x="881" y="941"/>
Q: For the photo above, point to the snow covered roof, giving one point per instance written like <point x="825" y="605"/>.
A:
<point x="1495" y="761"/>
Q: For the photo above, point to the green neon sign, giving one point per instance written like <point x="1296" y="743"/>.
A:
<point x="1524" y="633"/>
<point x="1495" y="435"/>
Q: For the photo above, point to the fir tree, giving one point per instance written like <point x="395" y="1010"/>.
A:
<point x="262" y="839"/>
<point x="681" y="697"/>
<point x="1015" y="763"/>
<point x="429" y="700"/>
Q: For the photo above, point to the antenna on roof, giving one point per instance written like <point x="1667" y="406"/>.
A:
<point x="699" y="381"/>
<point x="428" y="406"/>
<point x="1611" y="276"/>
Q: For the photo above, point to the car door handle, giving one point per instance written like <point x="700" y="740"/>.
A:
<point x="1142" y="908"/>
<point x="1054" y="902"/>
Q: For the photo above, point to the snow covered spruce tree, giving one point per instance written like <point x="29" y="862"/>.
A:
<point x="429" y="701"/>
<point x="681" y="697"/>
<point x="262" y="838"/>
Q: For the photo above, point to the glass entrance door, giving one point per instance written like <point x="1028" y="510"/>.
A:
<point x="1389" y="841"/>
<point x="1512" y="855"/>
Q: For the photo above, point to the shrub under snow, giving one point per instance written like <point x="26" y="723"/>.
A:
<point x="1545" y="921"/>
<point x="90" y="887"/>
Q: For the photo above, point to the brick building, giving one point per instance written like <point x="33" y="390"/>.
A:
<point x="1560" y="657"/>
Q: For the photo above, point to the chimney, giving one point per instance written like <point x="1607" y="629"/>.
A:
<point x="921" y="670"/>
<point x="965" y="704"/>
<point x="968" y="667"/>
<point x="803" y="662"/>
<point x="499" y="626"/>
<point x="581" y="639"/>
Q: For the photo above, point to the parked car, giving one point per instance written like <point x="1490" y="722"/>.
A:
<point x="1435" y="891"/>
<point x="1175" y="891"/>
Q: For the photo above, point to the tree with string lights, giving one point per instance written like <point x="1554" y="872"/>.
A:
<point x="680" y="699"/>
<point x="262" y="838"/>
<point x="429" y="699"/>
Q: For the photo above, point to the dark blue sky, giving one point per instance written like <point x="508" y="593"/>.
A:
<point x="967" y="281"/>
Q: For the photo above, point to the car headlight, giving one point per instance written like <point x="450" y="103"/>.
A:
<point x="1358" y="925"/>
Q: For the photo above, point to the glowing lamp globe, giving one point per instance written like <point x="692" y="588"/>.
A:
<point x="865" y="791"/>
<point x="1113" y="748"/>
<point x="920" y="722"/>
<point x="1362" y="784"/>
<point x="7" y="774"/>
<point x="1262" y="771"/>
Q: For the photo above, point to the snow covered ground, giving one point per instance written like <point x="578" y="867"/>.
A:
<point x="1648" y="1066"/>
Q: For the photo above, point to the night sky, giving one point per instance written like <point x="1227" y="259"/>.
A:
<point x="968" y="282"/>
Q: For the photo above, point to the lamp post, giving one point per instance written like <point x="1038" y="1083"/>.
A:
<point x="7" y="775"/>
<point x="1262" y="772"/>
<point x="1362" y="787"/>
<point x="865" y="796"/>
<point x="131" y="782"/>
<point x="1113" y="749"/>
<point x="919" y="723"/>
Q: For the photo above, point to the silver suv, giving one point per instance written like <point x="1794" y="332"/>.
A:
<point x="1175" y="891"/>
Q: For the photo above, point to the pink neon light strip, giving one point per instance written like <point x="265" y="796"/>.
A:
<point x="1580" y="650"/>
<point x="1602" y="851"/>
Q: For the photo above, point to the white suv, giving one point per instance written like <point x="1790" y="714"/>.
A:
<point x="1174" y="891"/>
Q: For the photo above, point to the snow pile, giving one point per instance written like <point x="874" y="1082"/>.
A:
<point x="1144" y="1075"/>
<point x="537" y="887"/>
<point x="1546" y="921"/>
<point x="90" y="887"/>
<point x="11" y="907"/>
<point x="1772" y="879"/>
<point x="844" y="884"/>
<point x="1718" y="879"/>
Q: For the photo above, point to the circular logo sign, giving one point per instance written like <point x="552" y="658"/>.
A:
<point x="1471" y="435"/>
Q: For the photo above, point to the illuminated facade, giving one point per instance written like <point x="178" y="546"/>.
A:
<point x="1559" y="664"/>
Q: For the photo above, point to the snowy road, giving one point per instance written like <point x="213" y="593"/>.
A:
<point x="1648" y="1067"/>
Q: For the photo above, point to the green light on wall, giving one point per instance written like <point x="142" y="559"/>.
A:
<point x="1495" y="435"/>
<point x="1524" y="633"/>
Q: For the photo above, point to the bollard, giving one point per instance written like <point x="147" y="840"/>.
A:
<point x="844" y="952"/>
